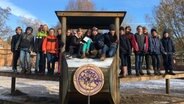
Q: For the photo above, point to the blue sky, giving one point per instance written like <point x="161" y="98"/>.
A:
<point x="44" y="9"/>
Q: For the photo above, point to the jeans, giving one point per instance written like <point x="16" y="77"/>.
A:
<point x="155" y="61"/>
<point x="147" y="60"/>
<point x="167" y="62"/>
<point x="51" y="59"/>
<point x="40" y="62"/>
<point x="86" y="46"/>
<point x="138" y="62"/>
<point x="109" y="51"/>
<point x="25" y="59"/>
<point x="129" y="65"/>
<point x="16" y="56"/>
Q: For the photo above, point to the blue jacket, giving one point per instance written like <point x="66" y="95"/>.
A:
<point x="168" y="45"/>
<point x="155" y="46"/>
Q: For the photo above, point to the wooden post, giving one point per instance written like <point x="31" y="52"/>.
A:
<point x="62" y="71"/>
<point x="13" y="83"/>
<point x="167" y="86"/>
<point x="117" y="24"/>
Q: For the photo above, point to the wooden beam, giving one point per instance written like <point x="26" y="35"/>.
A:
<point x="167" y="85"/>
<point x="13" y="85"/>
<point x="117" y="25"/>
<point x="64" y="27"/>
<point x="129" y="79"/>
<point x="89" y="14"/>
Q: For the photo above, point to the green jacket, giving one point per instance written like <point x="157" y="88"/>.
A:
<point x="41" y="34"/>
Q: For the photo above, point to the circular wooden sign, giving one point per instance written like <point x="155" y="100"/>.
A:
<point x="88" y="80"/>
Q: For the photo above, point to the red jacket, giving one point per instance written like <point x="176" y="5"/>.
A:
<point x="50" y="44"/>
<point x="135" y="44"/>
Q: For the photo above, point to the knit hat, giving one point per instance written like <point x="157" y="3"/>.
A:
<point x="29" y="28"/>
<point x="112" y="27"/>
<point x="152" y="30"/>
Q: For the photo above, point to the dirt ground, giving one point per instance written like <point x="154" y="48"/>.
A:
<point x="42" y="92"/>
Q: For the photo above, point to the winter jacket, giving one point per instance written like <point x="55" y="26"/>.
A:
<point x="130" y="37"/>
<point x="109" y="39"/>
<point x="168" y="45"/>
<point x="155" y="46"/>
<point x="60" y="42"/>
<point x="50" y="45"/>
<point x="140" y="43"/>
<point x="25" y="41"/>
<point x="125" y="47"/>
<point x="75" y="41"/>
<point x="14" y="41"/>
<point x="98" y="41"/>
<point x="39" y="41"/>
<point x="68" y="42"/>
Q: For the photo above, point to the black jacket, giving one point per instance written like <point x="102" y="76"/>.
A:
<point x="38" y="44"/>
<point x="168" y="45"/>
<point x="125" y="46"/>
<point x="109" y="39"/>
<point x="14" y="41"/>
<point x="75" y="41"/>
<point x="68" y="43"/>
<point x="98" y="41"/>
<point x="60" y="42"/>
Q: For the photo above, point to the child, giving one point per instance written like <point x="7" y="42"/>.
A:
<point x="129" y="35"/>
<point x="50" y="48"/>
<point x="16" y="53"/>
<point x="25" y="43"/>
<point x="125" y="51"/>
<point x="147" y="56"/>
<point x="110" y="40"/>
<point x="97" y="44"/>
<point x="68" y="41"/>
<point x="140" y="45"/>
<point x="60" y="46"/>
<point x="76" y="43"/>
<point x="155" y="49"/>
<point x="169" y="48"/>
<point x="87" y="42"/>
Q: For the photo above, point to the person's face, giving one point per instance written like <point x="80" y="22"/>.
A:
<point x="145" y="31"/>
<point x="128" y="30"/>
<point x="45" y="28"/>
<point x="112" y="32"/>
<point x="28" y="31"/>
<point x="59" y="32"/>
<point x="89" y="33"/>
<point x="68" y="33"/>
<point x="79" y="33"/>
<point x="94" y="33"/>
<point x="166" y="35"/>
<point x="18" y="31"/>
<point x="122" y="32"/>
<point x="140" y="30"/>
<point x="51" y="32"/>
<point x="154" y="33"/>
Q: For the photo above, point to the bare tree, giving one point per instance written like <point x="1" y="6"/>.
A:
<point x="170" y="15"/>
<point x="34" y="23"/>
<point x="4" y="29"/>
<point x="80" y="5"/>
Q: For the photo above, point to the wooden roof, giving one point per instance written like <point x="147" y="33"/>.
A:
<point x="88" y="19"/>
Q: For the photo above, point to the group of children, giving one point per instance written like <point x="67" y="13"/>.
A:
<point x="92" y="44"/>
<point x="144" y="46"/>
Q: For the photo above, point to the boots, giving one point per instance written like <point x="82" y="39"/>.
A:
<point x="123" y="72"/>
<point x="148" y="72"/>
<point x="171" y="72"/>
<point x="83" y="55"/>
<point x="158" y="70"/>
<point x="102" y="58"/>
<point x="155" y="71"/>
<point x="141" y="72"/>
<point x="137" y="73"/>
